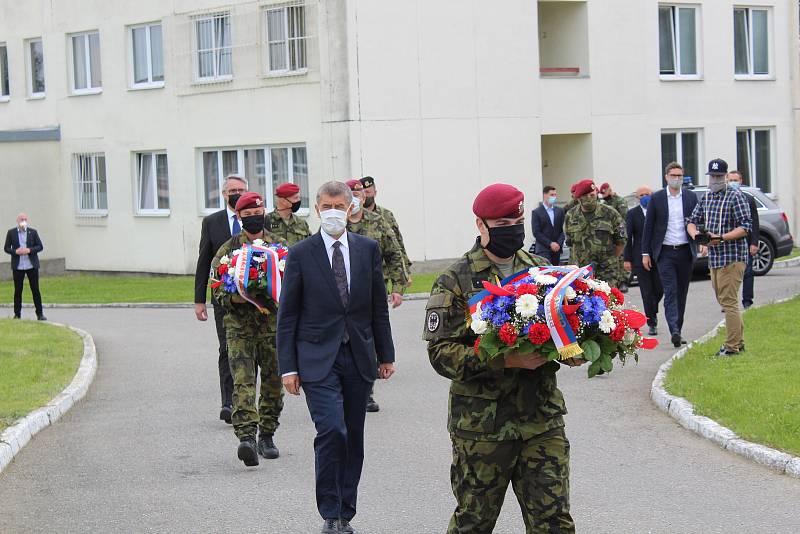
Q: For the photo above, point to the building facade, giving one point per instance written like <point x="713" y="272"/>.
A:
<point x="119" y="120"/>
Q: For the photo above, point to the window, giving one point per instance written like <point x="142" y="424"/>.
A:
<point x="265" y="167"/>
<point x="85" y="68"/>
<point x="147" y="56"/>
<point x="5" y="94"/>
<point x="682" y="146"/>
<point x="677" y="40"/>
<point x="751" y="41"/>
<point x="754" y="157"/>
<point x="214" y="51"/>
<point x="152" y="183"/>
<point x="34" y="54"/>
<point x="90" y="184"/>
<point x="286" y="39"/>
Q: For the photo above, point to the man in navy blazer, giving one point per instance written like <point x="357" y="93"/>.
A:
<point x="667" y="245"/>
<point x="334" y="340"/>
<point x="24" y="245"/>
<point x="547" y="222"/>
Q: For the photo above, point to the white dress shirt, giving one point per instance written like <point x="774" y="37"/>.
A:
<point x="329" y="241"/>
<point x="676" y="225"/>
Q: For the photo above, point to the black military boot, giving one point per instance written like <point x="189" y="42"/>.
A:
<point x="266" y="447"/>
<point x="372" y="406"/>
<point x="226" y="413"/>
<point x="247" y="452"/>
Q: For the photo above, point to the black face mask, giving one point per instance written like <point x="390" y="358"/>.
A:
<point x="369" y="201"/>
<point x="296" y="206"/>
<point x="253" y="224"/>
<point x="233" y="199"/>
<point x="505" y="241"/>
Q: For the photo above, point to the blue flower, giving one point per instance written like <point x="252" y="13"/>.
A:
<point x="592" y="309"/>
<point x="229" y="283"/>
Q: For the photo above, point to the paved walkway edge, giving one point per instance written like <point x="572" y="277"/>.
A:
<point x="682" y="411"/>
<point x="783" y="264"/>
<point x="17" y="436"/>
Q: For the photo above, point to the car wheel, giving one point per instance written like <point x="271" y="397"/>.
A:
<point x="764" y="258"/>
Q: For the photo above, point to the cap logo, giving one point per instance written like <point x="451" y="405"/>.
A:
<point x="715" y="166"/>
<point x="259" y="202"/>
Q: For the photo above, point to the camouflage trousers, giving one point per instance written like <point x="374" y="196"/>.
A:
<point x="538" y="470"/>
<point x="248" y="358"/>
<point x="610" y="270"/>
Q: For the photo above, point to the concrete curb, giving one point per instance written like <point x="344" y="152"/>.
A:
<point x="682" y="411"/>
<point x="783" y="264"/>
<point x="17" y="436"/>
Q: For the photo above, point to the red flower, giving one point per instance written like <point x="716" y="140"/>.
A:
<point x="635" y="319"/>
<point x="539" y="333"/>
<point x="601" y="295"/>
<point x="508" y="334"/>
<point x="648" y="343"/>
<point x="618" y="333"/>
<point x="618" y="296"/>
<point x="253" y="273"/>
<point x="619" y="317"/>
<point x="222" y="269"/>
<point x="527" y="289"/>
<point x="580" y="286"/>
<point x="574" y="322"/>
<point x="476" y="346"/>
<point x="282" y="253"/>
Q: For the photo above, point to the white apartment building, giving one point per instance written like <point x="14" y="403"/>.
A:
<point x="119" y="120"/>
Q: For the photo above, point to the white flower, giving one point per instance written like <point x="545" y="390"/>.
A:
<point x="533" y="271"/>
<point x="282" y="265"/>
<point x="545" y="280"/>
<point x="258" y="242"/>
<point x="479" y="326"/>
<point x="225" y="259"/>
<point x="527" y="306"/>
<point x="477" y="315"/>
<point x="599" y="285"/>
<point x="606" y="322"/>
<point x="570" y="293"/>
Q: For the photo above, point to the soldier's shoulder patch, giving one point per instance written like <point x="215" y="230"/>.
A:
<point x="274" y="225"/>
<point x="433" y="321"/>
<point x="477" y="282"/>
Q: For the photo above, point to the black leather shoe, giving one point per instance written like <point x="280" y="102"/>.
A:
<point x="676" y="339"/>
<point x="623" y="288"/>
<point x="330" y="526"/>
<point x="652" y="331"/>
<point x="41" y="318"/>
<point x="266" y="447"/>
<point x="346" y="528"/>
<point x="226" y="413"/>
<point x="372" y="406"/>
<point x="247" y="452"/>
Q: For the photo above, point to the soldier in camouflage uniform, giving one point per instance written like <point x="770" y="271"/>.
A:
<point x="595" y="234"/>
<point x="369" y="204"/>
<point x="283" y="222"/>
<point x="251" y="346"/>
<point x="506" y="415"/>
<point x="613" y="200"/>
<point x="374" y="226"/>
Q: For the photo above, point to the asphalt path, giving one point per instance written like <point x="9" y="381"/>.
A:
<point x="145" y="452"/>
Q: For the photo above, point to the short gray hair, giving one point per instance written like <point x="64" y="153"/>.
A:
<point x="234" y="177"/>
<point x="335" y="189"/>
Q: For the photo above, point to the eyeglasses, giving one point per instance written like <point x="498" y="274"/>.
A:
<point x="236" y="191"/>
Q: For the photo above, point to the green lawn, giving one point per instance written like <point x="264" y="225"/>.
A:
<point x="422" y="283"/>
<point x="37" y="361"/>
<point x="756" y="394"/>
<point x="104" y="289"/>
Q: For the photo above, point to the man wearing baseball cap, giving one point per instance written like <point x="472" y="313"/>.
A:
<point x="498" y="435"/>
<point x="722" y="218"/>
<point x="282" y="221"/>
<point x="251" y="346"/>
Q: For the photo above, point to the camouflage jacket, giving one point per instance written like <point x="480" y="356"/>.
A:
<point x="390" y="219"/>
<point x="487" y="401"/>
<point x="292" y="231"/>
<point x="375" y="227"/>
<point x="241" y="317"/>
<point x="593" y="236"/>
<point x="618" y="203"/>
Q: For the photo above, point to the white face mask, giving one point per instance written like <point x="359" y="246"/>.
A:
<point x="333" y="221"/>
<point x="356" y="205"/>
<point x="23" y="224"/>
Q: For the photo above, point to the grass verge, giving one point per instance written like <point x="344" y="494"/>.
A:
<point x="795" y="253"/>
<point x="755" y="394"/>
<point x="422" y="282"/>
<point x="37" y="361"/>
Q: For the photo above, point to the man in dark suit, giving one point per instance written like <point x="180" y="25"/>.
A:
<point x="649" y="281"/>
<point x="334" y="340"/>
<point x="734" y="180"/>
<point x="24" y="245"/>
<point x="667" y="245"/>
<point x="217" y="229"/>
<point x="547" y="221"/>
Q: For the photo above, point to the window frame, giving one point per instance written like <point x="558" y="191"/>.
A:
<point x="96" y="211"/>
<point x="87" y="51"/>
<point x="216" y="78"/>
<point x="676" y="51"/>
<point x="269" y="201"/>
<point x="4" y="71"/>
<point x="770" y="75"/>
<point x="266" y="62"/>
<point x="154" y="212"/>
<point x="678" y="133"/>
<point x="150" y="84"/>
<point x="29" y="69"/>
<point x="752" y="176"/>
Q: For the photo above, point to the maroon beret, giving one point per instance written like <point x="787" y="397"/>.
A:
<point x="604" y="186"/>
<point x="354" y="185"/>
<point x="584" y="187"/>
<point x="286" y="190"/>
<point x="499" y="201"/>
<point x="249" y="200"/>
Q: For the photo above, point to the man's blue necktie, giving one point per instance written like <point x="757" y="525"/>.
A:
<point x="237" y="229"/>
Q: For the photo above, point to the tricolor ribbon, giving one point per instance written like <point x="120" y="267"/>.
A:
<point x="241" y="273"/>
<point x="560" y="330"/>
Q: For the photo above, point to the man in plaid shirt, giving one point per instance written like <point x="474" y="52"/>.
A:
<point x="725" y="214"/>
